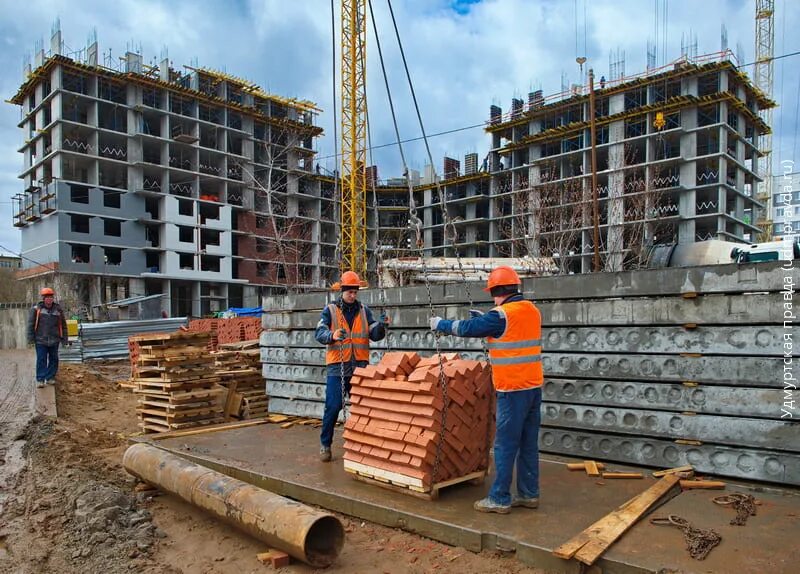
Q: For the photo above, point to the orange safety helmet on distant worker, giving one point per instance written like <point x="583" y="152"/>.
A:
<point x="502" y="275"/>
<point x="46" y="291"/>
<point x="350" y="279"/>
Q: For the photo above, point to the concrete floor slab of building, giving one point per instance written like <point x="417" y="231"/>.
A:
<point x="285" y="461"/>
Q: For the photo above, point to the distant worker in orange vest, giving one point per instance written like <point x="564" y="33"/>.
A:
<point x="513" y="331"/>
<point x="47" y="328"/>
<point x="346" y="327"/>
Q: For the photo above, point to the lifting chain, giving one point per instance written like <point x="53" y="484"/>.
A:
<point x="342" y="384"/>
<point x="744" y="504"/>
<point x="416" y="224"/>
<point x="699" y="541"/>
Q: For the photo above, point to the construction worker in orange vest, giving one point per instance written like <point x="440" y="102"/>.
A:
<point x="47" y="328"/>
<point x="513" y="332"/>
<point x="346" y="328"/>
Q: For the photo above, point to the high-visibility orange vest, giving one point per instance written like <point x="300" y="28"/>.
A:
<point x="516" y="356"/>
<point x="356" y="340"/>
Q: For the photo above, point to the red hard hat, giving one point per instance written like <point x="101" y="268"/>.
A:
<point x="350" y="279"/>
<point x="46" y="291"/>
<point x="502" y="276"/>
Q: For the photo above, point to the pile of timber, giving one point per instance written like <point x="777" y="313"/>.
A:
<point x="176" y="382"/>
<point x="393" y="434"/>
<point x="238" y="366"/>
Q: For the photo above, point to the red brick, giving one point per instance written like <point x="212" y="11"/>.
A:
<point x="380" y="452"/>
<point x="393" y="416"/>
<point x="352" y="456"/>
<point x="400" y="458"/>
<point x="420" y="374"/>
<point x="355" y="381"/>
<point x="359" y="410"/>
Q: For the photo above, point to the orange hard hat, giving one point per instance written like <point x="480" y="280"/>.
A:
<point x="503" y="275"/>
<point x="46" y="291"/>
<point x="350" y="279"/>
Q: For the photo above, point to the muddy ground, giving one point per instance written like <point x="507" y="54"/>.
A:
<point x="71" y="508"/>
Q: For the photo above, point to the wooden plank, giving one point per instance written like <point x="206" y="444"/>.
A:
<point x="685" y="468"/>
<point x="582" y="465"/>
<point x="622" y="475"/>
<point x="591" y="468"/>
<point x="212" y="428"/>
<point x="588" y="545"/>
<point x="702" y="484"/>
<point x="232" y="405"/>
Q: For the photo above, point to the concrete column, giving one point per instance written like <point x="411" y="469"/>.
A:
<point x="136" y="287"/>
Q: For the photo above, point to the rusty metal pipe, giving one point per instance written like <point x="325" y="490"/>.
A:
<point x="314" y="537"/>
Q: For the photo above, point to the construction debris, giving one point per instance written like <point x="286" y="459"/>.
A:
<point x="699" y="541"/>
<point x="408" y="430"/>
<point x="589" y="466"/>
<point x="588" y="545"/>
<point x="677" y="470"/>
<point x="176" y="382"/>
<point x="744" y="504"/>
<point x="702" y="484"/>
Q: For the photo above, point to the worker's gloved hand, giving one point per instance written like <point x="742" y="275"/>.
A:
<point x="384" y="319"/>
<point x="435" y="322"/>
<point x="339" y="335"/>
<point x="475" y="313"/>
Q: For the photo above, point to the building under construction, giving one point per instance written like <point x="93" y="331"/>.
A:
<point x="195" y="184"/>
<point x="143" y="179"/>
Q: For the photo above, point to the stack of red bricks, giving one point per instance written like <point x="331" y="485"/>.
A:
<point x="396" y="414"/>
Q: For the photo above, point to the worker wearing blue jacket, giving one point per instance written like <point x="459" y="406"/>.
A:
<point x="346" y="328"/>
<point x="513" y="332"/>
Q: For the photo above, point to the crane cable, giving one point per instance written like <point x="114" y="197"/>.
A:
<point x="378" y="252"/>
<point x="416" y="223"/>
<point x="448" y="224"/>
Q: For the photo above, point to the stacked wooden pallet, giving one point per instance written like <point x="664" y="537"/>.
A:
<point x="176" y="382"/>
<point x="394" y="432"/>
<point x="239" y="368"/>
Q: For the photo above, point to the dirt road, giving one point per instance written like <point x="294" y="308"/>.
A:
<point x="73" y="509"/>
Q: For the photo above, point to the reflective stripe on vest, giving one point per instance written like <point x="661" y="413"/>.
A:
<point x="356" y="340"/>
<point x="515" y="356"/>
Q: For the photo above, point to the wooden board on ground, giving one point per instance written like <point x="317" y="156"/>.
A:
<point x="702" y="484"/>
<point x="211" y="428"/>
<point x="677" y="469"/>
<point x="406" y="484"/>
<point x="587" y="546"/>
<point x="46" y="401"/>
<point x="232" y="402"/>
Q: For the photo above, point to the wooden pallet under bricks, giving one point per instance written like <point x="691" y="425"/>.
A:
<point x="239" y="368"/>
<point x="393" y="432"/>
<point x="176" y="382"/>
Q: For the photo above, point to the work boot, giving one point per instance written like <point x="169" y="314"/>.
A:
<point x="489" y="505"/>
<point x="532" y="502"/>
<point x="50" y="382"/>
<point x="325" y="454"/>
<point x="40" y="384"/>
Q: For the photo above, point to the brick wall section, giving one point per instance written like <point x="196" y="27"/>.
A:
<point x="397" y="415"/>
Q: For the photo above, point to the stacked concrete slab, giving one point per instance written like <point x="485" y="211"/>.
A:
<point x="400" y="407"/>
<point x="655" y="367"/>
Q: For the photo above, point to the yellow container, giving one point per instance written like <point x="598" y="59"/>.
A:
<point x="72" y="328"/>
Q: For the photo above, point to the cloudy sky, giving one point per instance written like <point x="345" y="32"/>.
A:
<point x="463" y="55"/>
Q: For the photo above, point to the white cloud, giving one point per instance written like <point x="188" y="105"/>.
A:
<point x="461" y="63"/>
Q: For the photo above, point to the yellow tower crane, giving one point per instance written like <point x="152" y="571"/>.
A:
<point x="354" y="137"/>
<point x="763" y="76"/>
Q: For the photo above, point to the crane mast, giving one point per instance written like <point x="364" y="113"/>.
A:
<point x="763" y="76"/>
<point x="354" y="137"/>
